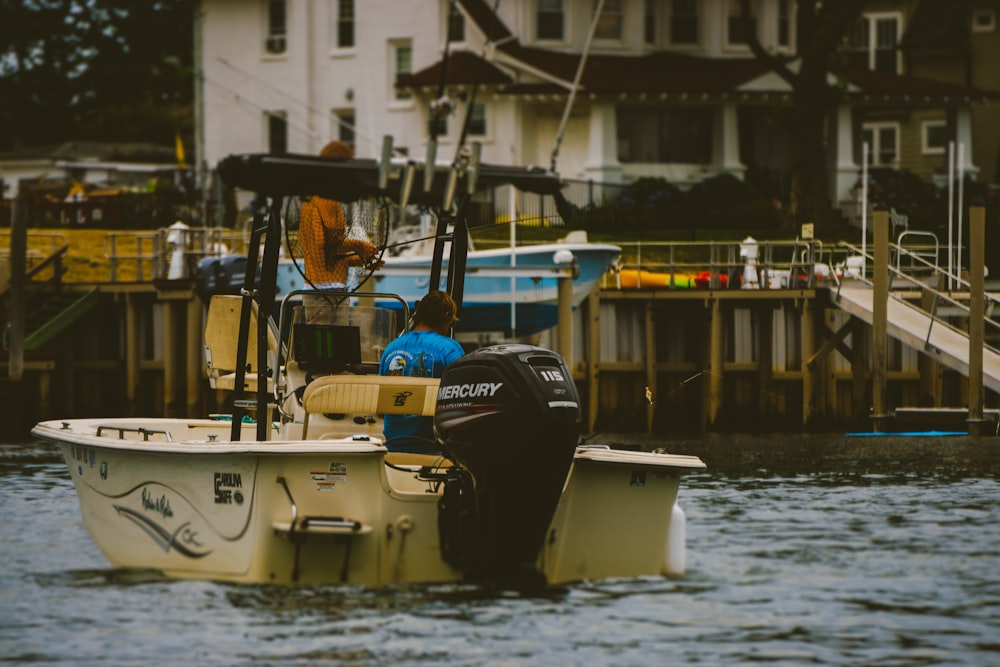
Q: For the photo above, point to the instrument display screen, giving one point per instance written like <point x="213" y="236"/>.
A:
<point x="325" y="346"/>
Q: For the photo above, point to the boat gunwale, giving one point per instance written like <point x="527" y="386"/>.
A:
<point x="52" y="431"/>
<point x="519" y="250"/>
<point x="629" y="457"/>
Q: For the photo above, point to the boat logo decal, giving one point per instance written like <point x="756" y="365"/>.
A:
<point x="228" y="488"/>
<point x="104" y="469"/>
<point x="184" y="540"/>
<point x="470" y="390"/>
<point x="399" y="399"/>
<point x="638" y="478"/>
<point x="159" y="505"/>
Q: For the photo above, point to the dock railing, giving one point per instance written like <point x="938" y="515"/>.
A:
<point x="913" y="276"/>
<point x="746" y="264"/>
<point x="166" y="253"/>
<point x="45" y="250"/>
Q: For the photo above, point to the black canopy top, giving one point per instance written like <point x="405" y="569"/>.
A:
<point x="349" y="180"/>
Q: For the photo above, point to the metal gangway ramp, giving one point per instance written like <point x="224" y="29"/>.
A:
<point x="926" y="331"/>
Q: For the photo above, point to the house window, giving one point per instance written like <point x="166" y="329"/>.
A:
<point x="934" y="137"/>
<point x="345" y="24"/>
<point x="874" y="43"/>
<point x="477" y="120"/>
<point x="784" y="25"/>
<point x="276" y="27"/>
<point x="984" y="20"/>
<point x="456" y="23"/>
<point x="664" y="136"/>
<point x="344" y="126"/>
<point x="402" y="65"/>
<point x="883" y="142"/>
<point x="549" y="19"/>
<point x="684" y="22"/>
<point x="649" y="23"/>
<point x="277" y="132"/>
<point x="736" y="33"/>
<point x="609" y="23"/>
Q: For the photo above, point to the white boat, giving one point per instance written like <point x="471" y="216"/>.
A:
<point x="308" y="492"/>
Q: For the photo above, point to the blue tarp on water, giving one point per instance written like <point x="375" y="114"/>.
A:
<point x="907" y="434"/>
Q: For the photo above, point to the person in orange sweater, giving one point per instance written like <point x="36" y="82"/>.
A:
<point x="323" y="235"/>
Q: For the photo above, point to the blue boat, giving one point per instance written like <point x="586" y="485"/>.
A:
<point x="490" y="277"/>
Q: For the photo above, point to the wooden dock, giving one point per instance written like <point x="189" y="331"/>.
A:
<point x="646" y="360"/>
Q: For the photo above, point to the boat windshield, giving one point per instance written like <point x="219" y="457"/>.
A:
<point x="330" y="335"/>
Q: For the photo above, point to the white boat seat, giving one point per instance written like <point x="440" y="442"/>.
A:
<point x="221" y="338"/>
<point x="369" y="395"/>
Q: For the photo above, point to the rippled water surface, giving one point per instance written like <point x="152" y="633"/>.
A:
<point x="835" y="565"/>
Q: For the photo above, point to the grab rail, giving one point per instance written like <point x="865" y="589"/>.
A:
<point x="144" y="432"/>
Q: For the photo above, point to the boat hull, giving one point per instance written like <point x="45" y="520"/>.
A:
<point x="173" y="495"/>
<point x="488" y="299"/>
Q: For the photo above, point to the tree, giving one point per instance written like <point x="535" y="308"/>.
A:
<point x="102" y="70"/>
<point x="822" y="29"/>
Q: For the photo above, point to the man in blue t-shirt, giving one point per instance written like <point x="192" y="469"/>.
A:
<point x="424" y="351"/>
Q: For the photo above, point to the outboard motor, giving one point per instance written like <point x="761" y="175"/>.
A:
<point x="219" y="275"/>
<point x="509" y="417"/>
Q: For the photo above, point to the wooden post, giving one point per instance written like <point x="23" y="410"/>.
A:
<point x="859" y="371"/>
<point x="977" y="219"/>
<point x="565" y="324"/>
<point x="593" y="358"/>
<point x="16" y="302"/>
<point x="828" y="366"/>
<point x="131" y="345"/>
<point x="880" y="323"/>
<point x="169" y="360"/>
<point x="765" y="365"/>
<point x="650" y="364"/>
<point x="716" y="361"/>
<point x="807" y="332"/>
<point x="193" y="357"/>
<point x="930" y="369"/>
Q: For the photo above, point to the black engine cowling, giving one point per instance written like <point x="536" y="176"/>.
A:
<point x="509" y="416"/>
<point x="220" y="275"/>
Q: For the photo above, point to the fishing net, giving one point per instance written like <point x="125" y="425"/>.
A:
<point x="366" y="220"/>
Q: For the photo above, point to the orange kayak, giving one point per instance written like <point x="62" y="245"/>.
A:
<point x="633" y="278"/>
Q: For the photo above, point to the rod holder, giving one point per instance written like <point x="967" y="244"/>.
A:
<point x="407" y="185"/>
<point x="385" y="166"/>
<point x="429" y="165"/>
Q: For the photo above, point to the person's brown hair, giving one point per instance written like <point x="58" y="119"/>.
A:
<point x="337" y="149"/>
<point x="435" y="310"/>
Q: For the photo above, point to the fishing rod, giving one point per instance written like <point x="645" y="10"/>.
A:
<point x="650" y="401"/>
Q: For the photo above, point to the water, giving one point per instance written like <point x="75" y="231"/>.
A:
<point x="894" y="564"/>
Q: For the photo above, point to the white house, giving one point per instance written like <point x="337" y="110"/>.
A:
<point x="670" y="88"/>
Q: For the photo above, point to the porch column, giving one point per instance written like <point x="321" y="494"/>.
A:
<point x="963" y="135"/>
<point x="846" y="170"/>
<point x="602" y="158"/>
<point x="726" y="142"/>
